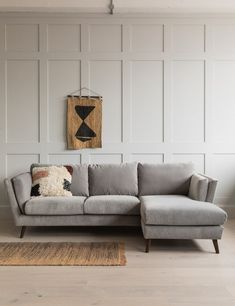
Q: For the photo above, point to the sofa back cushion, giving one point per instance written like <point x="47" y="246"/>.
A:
<point x="113" y="179"/>
<point x="157" y="179"/>
<point x="79" y="186"/>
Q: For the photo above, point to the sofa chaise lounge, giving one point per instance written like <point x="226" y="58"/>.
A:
<point x="169" y="201"/>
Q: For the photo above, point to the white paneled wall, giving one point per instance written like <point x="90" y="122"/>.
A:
<point x="147" y="101"/>
<point x="168" y="86"/>
<point x="187" y="101"/>
<point x="105" y="76"/>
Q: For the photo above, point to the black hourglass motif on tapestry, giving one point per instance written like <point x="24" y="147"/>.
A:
<point x="84" y="132"/>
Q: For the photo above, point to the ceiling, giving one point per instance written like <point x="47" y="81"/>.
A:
<point x="120" y="6"/>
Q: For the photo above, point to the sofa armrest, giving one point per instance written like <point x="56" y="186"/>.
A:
<point x="12" y="200"/>
<point x="22" y="185"/>
<point x="198" y="187"/>
<point x="212" y="184"/>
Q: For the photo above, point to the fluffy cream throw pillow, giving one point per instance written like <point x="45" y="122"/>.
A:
<point x="51" y="181"/>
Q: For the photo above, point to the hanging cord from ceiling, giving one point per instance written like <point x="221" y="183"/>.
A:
<point x="111" y="7"/>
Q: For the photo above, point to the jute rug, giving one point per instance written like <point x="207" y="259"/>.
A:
<point x="62" y="254"/>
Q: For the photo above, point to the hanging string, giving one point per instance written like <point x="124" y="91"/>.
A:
<point x="79" y="91"/>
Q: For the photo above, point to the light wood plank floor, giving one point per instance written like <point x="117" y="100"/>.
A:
<point x="174" y="273"/>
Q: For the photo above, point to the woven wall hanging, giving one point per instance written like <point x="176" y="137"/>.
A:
<point x="84" y="121"/>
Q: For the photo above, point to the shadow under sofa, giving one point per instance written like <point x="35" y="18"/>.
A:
<point x="169" y="201"/>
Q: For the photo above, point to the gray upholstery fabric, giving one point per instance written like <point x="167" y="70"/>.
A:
<point x="117" y="182"/>
<point x="55" y="206"/>
<point x="164" y="178"/>
<point x="112" y="204"/>
<point x="79" y="220"/>
<point x="198" y="187"/>
<point x="212" y="184"/>
<point x="17" y="214"/>
<point x="22" y="185"/>
<point x="179" y="210"/>
<point x="79" y="186"/>
<point x="181" y="232"/>
<point x="111" y="179"/>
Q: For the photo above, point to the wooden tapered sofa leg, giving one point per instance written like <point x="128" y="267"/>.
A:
<point x="22" y="231"/>
<point x="147" y="246"/>
<point x="216" y="246"/>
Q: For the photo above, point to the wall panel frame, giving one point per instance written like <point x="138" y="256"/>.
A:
<point x="72" y="51"/>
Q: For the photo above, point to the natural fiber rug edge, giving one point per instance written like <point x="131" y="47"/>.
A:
<point x="122" y="253"/>
<point x="117" y="250"/>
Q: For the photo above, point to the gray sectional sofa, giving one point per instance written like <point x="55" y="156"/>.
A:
<point x="169" y="201"/>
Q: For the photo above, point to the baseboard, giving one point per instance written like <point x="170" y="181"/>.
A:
<point x="5" y="212"/>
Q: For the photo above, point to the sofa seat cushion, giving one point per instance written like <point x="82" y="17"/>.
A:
<point x="45" y="206"/>
<point x="179" y="210"/>
<point x="112" y="205"/>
